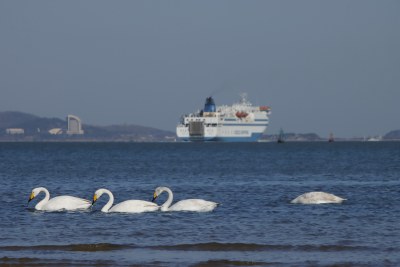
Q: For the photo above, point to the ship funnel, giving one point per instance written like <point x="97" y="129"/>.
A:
<point x="209" y="106"/>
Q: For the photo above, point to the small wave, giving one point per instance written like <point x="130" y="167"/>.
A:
<point x="26" y="261"/>
<point x="217" y="263"/>
<point x="72" y="247"/>
<point x="214" y="246"/>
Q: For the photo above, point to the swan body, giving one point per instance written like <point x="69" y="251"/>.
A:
<point x="199" y="205"/>
<point x="58" y="203"/>
<point x="128" y="206"/>
<point x="317" y="198"/>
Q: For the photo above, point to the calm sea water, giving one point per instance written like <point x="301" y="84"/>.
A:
<point x="255" y="225"/>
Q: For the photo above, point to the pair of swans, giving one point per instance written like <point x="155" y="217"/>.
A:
<point x="129" y="206"/>
<point x="138" y="206"/>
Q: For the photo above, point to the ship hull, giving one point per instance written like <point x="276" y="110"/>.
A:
<point x="253" y="138"/>
<point x="224" y="133"/>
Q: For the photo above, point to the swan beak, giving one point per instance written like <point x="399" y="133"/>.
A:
<point x="31" y="197"/>
<point x="154" y="196"/>
<point x="94" y="199"/>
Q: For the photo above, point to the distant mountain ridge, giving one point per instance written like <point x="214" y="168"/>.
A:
<point x="37" y="128"/>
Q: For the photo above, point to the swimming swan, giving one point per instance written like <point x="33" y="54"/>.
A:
<point x="200" y="205"/>
<point x="317" y="198"/>
<point x="58" y="203"/>
<point x="130" y="206"/>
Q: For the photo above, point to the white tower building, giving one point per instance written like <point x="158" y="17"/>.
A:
<point x="74" y="125"/>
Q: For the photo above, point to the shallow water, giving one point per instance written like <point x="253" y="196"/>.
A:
<point x="255" y="225"/>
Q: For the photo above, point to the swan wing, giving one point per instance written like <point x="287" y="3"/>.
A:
<point x="66" y="203"/>
<point x="199" y="205"/>
<point x="134" y="206"/>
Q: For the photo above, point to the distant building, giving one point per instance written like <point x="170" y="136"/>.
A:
<point x="74" y="125"/>
<point x="15" y="131"/>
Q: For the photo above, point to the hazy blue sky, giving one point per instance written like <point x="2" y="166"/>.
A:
<point x="323" y="66"/>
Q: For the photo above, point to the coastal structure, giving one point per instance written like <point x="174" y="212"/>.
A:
<point x="375" y="139"/>
<point x="13" y="131"/>
<point x="74" y="125"/>
<point x="240" y="122"/>
<point x="55" y="131"/>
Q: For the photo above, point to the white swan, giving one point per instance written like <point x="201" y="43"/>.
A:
<point x="129" y="206"/>
<point x="200" y="205"/>
<point x="58" y="203"/>
<point x="317" y="198"/>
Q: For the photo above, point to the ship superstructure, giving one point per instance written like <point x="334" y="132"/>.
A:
<point x="240" y="122"/>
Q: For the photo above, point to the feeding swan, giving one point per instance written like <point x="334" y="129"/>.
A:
<point x="317" y="198"/>
<point x="58" y="203"/>
<point x="200" y="205"/>
<point x="129" y="206"/>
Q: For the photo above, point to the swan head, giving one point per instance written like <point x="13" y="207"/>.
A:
<point x="157" y="192"/>
<point x="96" y="195"/>
<point x="155" y="195"/>
<point x="31" y="197"/>
<point x="34" y="193"/>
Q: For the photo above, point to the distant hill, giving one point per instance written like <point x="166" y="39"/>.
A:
<point x="392" y="135"/>
<point x="37" y="128"/>
<point x="11" y="119"/>
<point x="30" y="123"/>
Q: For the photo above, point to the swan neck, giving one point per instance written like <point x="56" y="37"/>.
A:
<point x="46" y="198"/>
<point x="107" y="206"/>
<point x="167" y="204"/>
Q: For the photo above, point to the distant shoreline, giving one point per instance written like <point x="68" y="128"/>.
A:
<point x="23" y="127"/>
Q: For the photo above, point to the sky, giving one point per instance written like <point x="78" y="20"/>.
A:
<point x="322" y="66"/>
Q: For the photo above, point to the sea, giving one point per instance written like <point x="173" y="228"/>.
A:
<point x="254" y="225"/>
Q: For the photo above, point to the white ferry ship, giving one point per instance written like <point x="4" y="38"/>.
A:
<point x="240" y="122"/>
